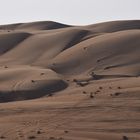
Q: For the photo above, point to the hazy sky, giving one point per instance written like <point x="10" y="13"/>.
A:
<point x="68" y="11"/>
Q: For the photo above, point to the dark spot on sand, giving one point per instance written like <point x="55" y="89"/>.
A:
<point x="95" y="93"/>
<point x="50" y="94"/>
<point x="2" y="137"/>
<point x="52" y="138"/>
<point x="98" y="91"/>
<point x="117" y="93"/>
<point x="119" y="87"/>
<point x="91" y="95"/>
<point x="106" y="68"/>
<point x="85" y="48"/>
<point x="5" y="67"/>
<point x="39" y="132"/>
<point x="125" y="138"/>
<point x="31" y="137"/>
<point x="66" y="131"/>
<point x="75" y="80"/>
<point x="100" y="87"/>
<point x="84" y="92"/>
<point x="98" y="60"/>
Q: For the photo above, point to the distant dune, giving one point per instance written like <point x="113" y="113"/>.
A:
<point x="63" y="67"/>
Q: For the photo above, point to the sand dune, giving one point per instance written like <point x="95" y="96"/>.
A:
<point x="111" y="49"/>
<point x="68" y="82"/>
<point x="44" y="25"/>
<point x="115" y="26"/>
<point x="24" y="82"/>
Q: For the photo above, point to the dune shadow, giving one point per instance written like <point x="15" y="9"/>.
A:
<point x="9" y="96"/>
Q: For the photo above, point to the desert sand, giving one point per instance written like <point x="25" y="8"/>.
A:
<point x="63" y="82"/>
